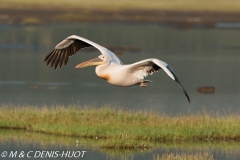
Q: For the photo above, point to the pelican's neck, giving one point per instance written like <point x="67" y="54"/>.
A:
<point x="101" y="69"/>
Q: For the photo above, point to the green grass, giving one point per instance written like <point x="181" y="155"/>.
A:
<point x="181" y="5"/>
<point x="124" y="129"/>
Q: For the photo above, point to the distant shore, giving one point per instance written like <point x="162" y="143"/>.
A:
<point x="57" y="15"/>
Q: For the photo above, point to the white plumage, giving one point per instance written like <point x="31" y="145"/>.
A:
<point x="109" y="66"/>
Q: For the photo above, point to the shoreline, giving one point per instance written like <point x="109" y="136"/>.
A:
<point x="184" y="19"/>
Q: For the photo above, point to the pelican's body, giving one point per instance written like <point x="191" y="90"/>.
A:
<point x="120" y="74"/>
<point x="106" y="72"/>
<point x="126" y="79"/>
<point x="109" y="66"/>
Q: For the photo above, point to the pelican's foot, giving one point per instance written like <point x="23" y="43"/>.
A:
<point x="143" y="83"/>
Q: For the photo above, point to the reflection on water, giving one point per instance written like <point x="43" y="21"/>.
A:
<point x="227" y="25"/>
<point x="27" y="141"/>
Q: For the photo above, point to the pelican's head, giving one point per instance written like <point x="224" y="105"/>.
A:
<point x="102" y="59"/>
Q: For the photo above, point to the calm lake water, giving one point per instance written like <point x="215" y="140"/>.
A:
<point x="34" y="145"/>
<point x="199" y="57"/>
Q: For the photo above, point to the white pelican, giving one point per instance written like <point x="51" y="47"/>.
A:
<point x="109" y="66"/>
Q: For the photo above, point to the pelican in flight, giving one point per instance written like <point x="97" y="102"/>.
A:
<point x="109" y="66"/>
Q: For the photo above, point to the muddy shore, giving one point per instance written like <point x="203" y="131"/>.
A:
<point x="78" y="15"/>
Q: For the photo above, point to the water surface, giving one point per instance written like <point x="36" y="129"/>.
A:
<point x="199" y="57"/>
<point x="35" y="143"/>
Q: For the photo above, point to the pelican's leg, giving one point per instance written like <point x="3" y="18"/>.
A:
<point x="143" y="83"/>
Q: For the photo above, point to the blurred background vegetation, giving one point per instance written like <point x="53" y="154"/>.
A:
<point x="182" y="5"/>
<point x="171" y="11"/>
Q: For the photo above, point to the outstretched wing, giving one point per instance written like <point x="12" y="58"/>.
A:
<point x="149" y="66"/>
<point x="70" y="46"/>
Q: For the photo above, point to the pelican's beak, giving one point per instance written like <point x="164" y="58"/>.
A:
<point x="92" y="62"/>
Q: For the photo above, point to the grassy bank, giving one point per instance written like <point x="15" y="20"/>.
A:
<point x="124" y="129"/>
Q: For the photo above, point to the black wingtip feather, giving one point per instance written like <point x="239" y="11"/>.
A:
<point x="66" y="59"/>
<point x="48" y="59"/>
<point x="63" y="51"/>
<point x="179" y="83"/>
<point x="54" y="58"/>
<point x="48" y="55"/>
<point x="58" y="59"/>
<point x="62" y="58"/>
